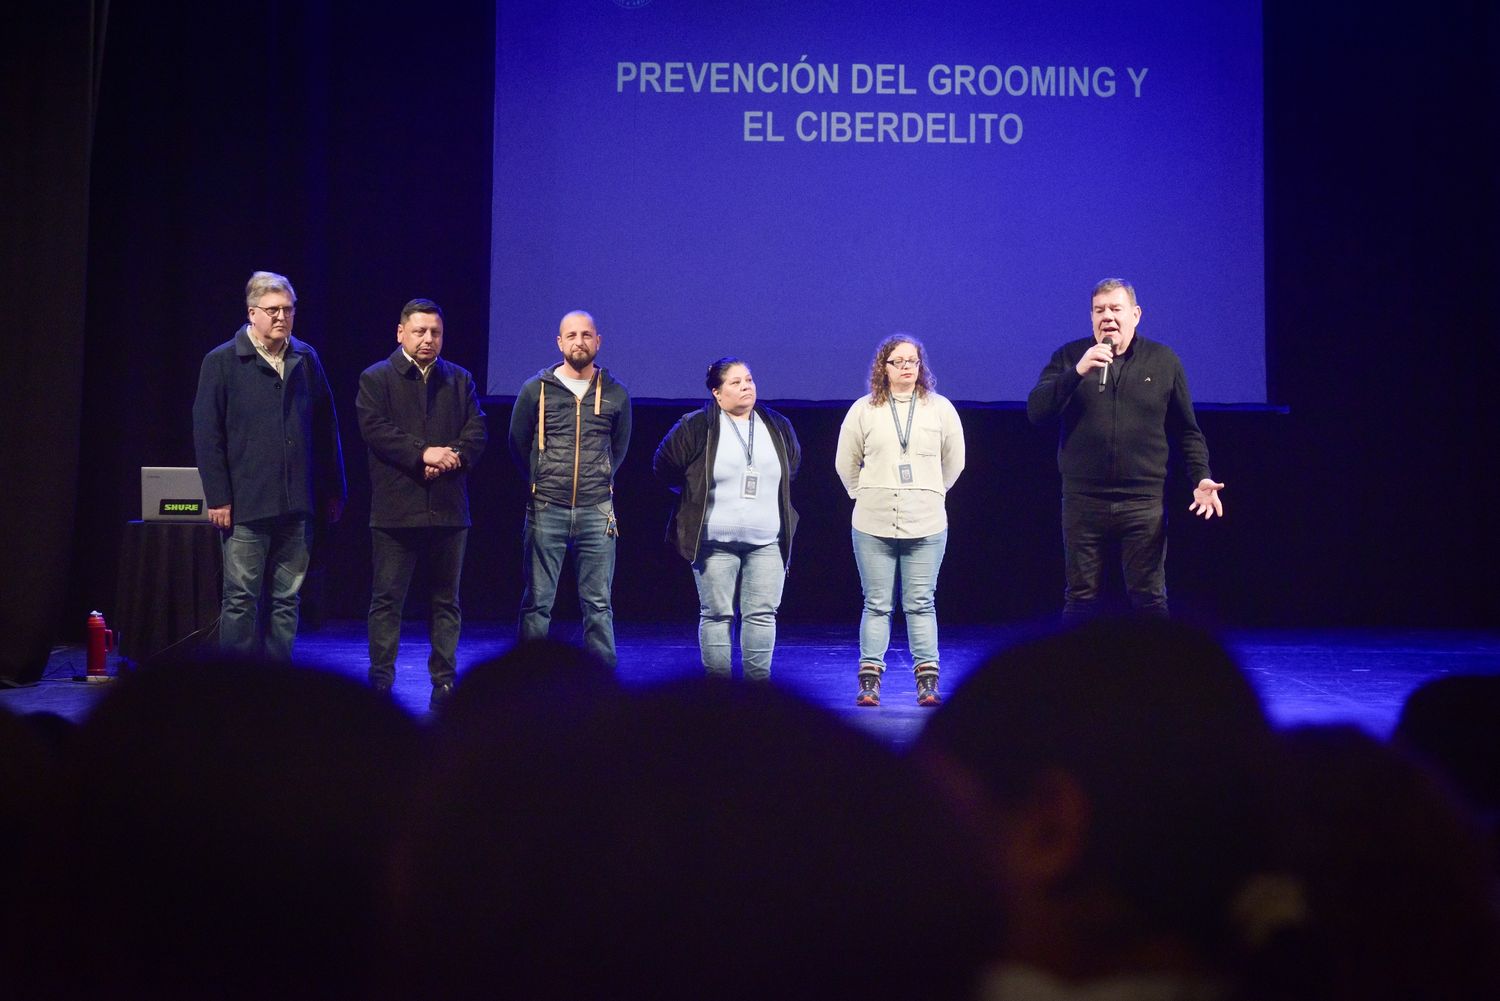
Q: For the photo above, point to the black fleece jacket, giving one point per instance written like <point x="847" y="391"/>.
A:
<point x="1119" y="441"/>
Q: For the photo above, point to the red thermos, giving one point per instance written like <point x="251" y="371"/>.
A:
<point x="99" y="642"/>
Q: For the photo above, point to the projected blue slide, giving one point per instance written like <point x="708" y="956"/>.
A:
<point x="790" y="182"/>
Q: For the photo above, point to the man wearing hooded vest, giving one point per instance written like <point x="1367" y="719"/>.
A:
<point x="569" y="432"/>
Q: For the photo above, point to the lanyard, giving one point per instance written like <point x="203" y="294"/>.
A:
<point x="911" y="409"/>
<point x="750" y="447"/>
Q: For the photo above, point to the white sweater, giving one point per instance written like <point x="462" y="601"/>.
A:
<point x="869" y="457"/>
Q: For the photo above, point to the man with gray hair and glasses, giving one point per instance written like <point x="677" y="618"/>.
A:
<point x="267" y="441"/>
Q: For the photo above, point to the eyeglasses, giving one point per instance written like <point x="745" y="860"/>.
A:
<point x="276" y="312"/>
<point x="904" y="362"/>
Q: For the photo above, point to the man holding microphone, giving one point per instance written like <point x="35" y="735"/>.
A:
<point x="1122" y="405"/>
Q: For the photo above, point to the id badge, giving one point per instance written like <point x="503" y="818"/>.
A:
<point x="749" y="485"/>
<point x="904" y="472"/>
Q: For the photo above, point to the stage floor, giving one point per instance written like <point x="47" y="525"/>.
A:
<point x="1331" y="676"/>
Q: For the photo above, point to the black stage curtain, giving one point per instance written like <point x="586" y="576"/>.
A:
<point x="50" y="76"/>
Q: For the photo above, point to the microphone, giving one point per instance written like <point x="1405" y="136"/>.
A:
<point x="1104" y="372"/>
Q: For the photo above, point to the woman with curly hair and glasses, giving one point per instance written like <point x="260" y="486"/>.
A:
<point x="900" y="450"/>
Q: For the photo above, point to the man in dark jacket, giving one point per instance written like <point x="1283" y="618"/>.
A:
<point x="569" y="432"/>
<point x="1118" y="427"/>
<point x="420" y="418"/>
<point x="267" y="442"/>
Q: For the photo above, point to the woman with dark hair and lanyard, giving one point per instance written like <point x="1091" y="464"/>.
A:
<point x="900" y="450"/>
<point x="731" y="463"/>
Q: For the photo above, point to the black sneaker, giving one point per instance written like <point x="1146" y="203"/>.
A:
<point x="440" y="694"/>
<point x="869" y="689"/>
<point x="927" y="693"/>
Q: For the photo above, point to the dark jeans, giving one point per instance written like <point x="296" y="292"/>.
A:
<point x="396" y="553"/>
<point x="274" y="547"/>
<point x="1094" y="527"/>
<point x="550" y="531"/>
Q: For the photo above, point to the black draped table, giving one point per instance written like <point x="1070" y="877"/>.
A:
<point x="168" y="588"/>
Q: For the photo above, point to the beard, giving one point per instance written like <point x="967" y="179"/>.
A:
<point x="581" y="358"/>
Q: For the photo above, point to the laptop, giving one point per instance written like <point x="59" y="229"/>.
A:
<point x="172" y="493"/>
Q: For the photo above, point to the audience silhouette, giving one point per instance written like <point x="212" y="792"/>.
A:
<point x="1119" y="772"/>
<point x="1098" y="814"/>
<point x="703" y="839"/>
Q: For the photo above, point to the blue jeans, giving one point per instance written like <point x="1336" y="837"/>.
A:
<point x="1094" y="528"/>
<point x="279" y="545"/>
<point x="915" y="563"/>
<point x="759" y="575"/>
<point x="550" y="531"/>
<point x="396" y="552"/>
